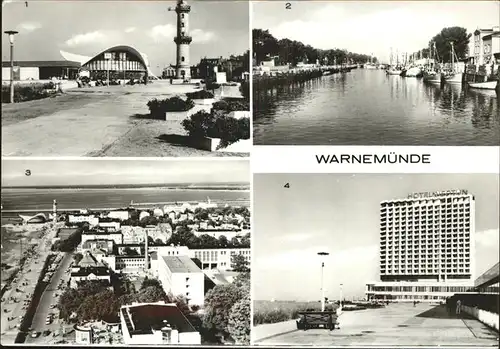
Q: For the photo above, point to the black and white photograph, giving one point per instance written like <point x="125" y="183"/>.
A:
<point x="121" y="252"/>
<point x="376" y="73"/>
<point x="376" y="260"/>
<point x="125" y="79"/>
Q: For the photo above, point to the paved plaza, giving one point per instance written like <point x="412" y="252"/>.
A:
<point x="396" y="324"/>
<point x="98" y="121"/>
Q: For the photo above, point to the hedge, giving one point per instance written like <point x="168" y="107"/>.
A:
<point x="231" y="104"/>
<point x="228" y="129"/>
<point x="158" y="108"/>
<point x="28" y="92"/>
<point x="202" y="94"/>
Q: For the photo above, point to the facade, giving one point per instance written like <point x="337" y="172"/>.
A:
<point x="156" y="323"/>
<point x="181" y="276"/>
<point x="219" y="258"/>
<point x="116" y="237"/>
<point x="83" y="334"/>
<point x="485" y="46"/>
<point x="426" y="247"/>
<point x="183" y="40"/>
<point x="90" y="274"/>
<point x="41" y="70"/>
<point x="119" y="214"/>
<point x="81" y="218"/>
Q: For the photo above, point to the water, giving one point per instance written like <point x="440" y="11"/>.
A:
<point x="366" y="107"/>
<point x="41" y="199"/>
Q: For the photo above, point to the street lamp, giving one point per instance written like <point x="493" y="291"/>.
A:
<point x="340" y="297"/>
<point x="322" y="255"/>
<point x="11" y="34"/>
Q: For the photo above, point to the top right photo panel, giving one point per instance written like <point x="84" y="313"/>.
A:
<point x="376" y="73"/>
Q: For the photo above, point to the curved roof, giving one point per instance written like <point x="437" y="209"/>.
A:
<point x="38" y="218"/>
<point x="123" y="48"/>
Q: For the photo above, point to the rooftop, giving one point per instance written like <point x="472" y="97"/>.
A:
<point x="181" y="264"/>
<point x="147" y="317"/>
<point x="44" y="64"/>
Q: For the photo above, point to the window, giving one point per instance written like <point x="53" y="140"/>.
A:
<point x="182" y="59"/>
<point x="182" y="24"/>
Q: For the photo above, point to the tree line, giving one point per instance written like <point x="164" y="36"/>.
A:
<point x="287" y="51"/>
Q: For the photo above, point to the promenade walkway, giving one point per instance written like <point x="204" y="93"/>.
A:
<point x="396" y="324"/>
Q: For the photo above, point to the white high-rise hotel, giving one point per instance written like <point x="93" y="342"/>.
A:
<point x="426" y="247"/>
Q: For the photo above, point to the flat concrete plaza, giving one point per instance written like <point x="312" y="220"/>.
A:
<point x="97" y="121"/>
<point x="396" y="324"/>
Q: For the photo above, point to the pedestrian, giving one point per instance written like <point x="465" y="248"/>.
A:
<point x="459" y="304"/>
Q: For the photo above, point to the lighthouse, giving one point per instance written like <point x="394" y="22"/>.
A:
<point x="54" y="211"/>
<point x="183" y="40"/>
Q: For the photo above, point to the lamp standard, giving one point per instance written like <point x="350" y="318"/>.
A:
<point x="322" y="255"/>
<point x="11" y="34"/>
<point x="340" y="297"/>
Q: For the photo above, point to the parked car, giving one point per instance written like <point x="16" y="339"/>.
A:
<point x="35" y="334"/>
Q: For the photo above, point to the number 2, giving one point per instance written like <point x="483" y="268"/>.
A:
<point x="288" y="6"/>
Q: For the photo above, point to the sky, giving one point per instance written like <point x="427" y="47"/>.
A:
<point x="339" y="214"/>
<point x="113" y="172"/>
<point x="371" y="27"/>
<point x="89" y="27"/>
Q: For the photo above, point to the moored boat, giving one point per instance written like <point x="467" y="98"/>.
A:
<point x="393" y="71"/>
<point x="487" y="85"/>
<point x="414" y="72"/>
<point x="454" y="78"/>
<point x="432" y="77"/>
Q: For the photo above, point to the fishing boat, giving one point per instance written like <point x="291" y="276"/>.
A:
<point x="370" y="65"/>
<point x="394" y="69"/>
<point x="414" y="72"/>
<point x="453" y="76"/>
<point x="487" y="85"/>
<point x="432" y="72"/>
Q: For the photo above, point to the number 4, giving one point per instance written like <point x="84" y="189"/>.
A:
<point x="287" y="185"/>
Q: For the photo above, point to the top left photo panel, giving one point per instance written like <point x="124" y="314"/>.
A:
<point x="125" y="78"/>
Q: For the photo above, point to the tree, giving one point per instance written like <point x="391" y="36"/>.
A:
<point x="218" y="304"/>
<point x="238" y="324"/>
<point x="150" y="294"/>
<point x="223" y="242"/>
<point x="130" y="251"/>
<point x="77" y="257"/>
<point x="151" y="283"/>
<point x="239" y="263"/>
<point x="264" y="45"/>
<point x="456" y="35"/>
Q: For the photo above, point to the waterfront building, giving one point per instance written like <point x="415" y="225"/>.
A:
<point x="484" y="48"/>
<point x="39" y="218"/>
<point x="119" y="214"/>
<point x="426" y="247"/>
<point x="84" y="334"/>
<point x="156" y="323"/>
<point x="219" y="258"/>
<point x="179" y="275"/>
<point x="109" y="224"/>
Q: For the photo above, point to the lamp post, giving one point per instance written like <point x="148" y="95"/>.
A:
<point x="11" y="34"/>
<point x="340" y="297"/>
<point x="322" y="255"/>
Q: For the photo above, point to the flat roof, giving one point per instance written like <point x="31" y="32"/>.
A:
<point x="144" y="318"/>
<point x="44" y="64"/>
<point x="181" y="264"/>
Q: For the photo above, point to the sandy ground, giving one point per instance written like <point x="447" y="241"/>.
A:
<point x="98" y="121"/>
<point x="396" y="324"/>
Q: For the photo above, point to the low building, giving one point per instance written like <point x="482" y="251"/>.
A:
<point x="83" y="334"/>
<point x="109" y="224"/>
<point x="119" y="214"/>
<point x="116" y="237"/>
<point x="217" y="233"/>
<point x="90" y="245"/>
<point x="39" y="218"/>
<point x="182" y="277"/>
<point x="219" y="258"/>
<point x="90" y="274"/>
<point x="156" y="323"/>
<point x="41" y="70"/>
<point x="93" y="220"/>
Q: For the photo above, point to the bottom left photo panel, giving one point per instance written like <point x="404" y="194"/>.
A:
<point x="121" y="252"/>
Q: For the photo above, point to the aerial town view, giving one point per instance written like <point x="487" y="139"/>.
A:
<point x="143" y="79"/>
<point x="322" y="69"/>
<point x="125" y="252"/>
<point x="382" y="259"/>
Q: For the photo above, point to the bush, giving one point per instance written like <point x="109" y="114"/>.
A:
<point x="228" y="129"/>
<point x="202" y="94"/>
<point x="231" y="104"/>
<point x="245" y="90"/>
<point x="212" y="85"/>
<point x="158" y="108"/>
<point x="271" y="317"/>
<point x="28" y="92"/>
<point x="238" y="324"/>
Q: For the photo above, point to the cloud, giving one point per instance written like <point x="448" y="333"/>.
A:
<point x="299" y="237"/>
<point x="130" y="29"/>
<point x="161" y="32"/>
<point x="488" y="238"/>
<point x="29" y="26"/>
<point x="202" y="37"/>
<point x="83" y="39"/>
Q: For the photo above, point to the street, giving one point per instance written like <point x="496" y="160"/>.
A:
<point x="12" y="311"/>
<point x="396" y="324"/>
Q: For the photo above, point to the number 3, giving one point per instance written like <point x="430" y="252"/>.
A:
<point x="27" y="172"/>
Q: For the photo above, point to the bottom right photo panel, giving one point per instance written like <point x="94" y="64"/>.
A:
<point x="376" y="259"/>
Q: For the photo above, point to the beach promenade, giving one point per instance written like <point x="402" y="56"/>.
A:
<point x="99" y="121"/>
<point x="396" y="324"/>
